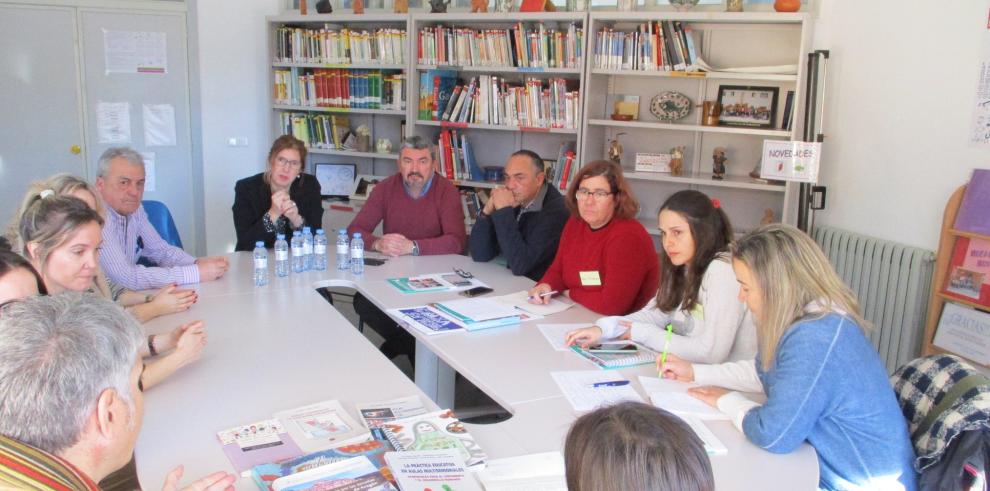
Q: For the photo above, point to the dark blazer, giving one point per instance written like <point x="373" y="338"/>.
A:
<point x="529" y="244"/>
<point x="253" y="198"/>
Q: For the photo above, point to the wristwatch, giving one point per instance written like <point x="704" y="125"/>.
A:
<point x="415" y="248"/>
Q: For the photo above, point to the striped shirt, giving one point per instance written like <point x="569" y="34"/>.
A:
<point x="127" y="238"/>
<point x="25" y="467"/>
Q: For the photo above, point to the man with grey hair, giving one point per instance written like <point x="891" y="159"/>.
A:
<point x="128" y="235"/>
<point x="523" y="220"/>
<point x="422" y="215"/>
<point x="71" y="398"/>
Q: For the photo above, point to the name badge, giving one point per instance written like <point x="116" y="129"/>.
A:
<point x="590" y="278"/>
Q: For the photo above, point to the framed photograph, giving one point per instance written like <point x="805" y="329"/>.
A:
<point x="363" y="184"/>
<point x="749" y="106"/>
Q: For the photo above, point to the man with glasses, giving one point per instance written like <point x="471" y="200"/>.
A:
<point x="128" y="235"/>
<point x="522" y="221"/>
<point x="70" y="393"/>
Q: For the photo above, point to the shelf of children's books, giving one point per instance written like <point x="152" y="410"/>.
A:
<point x="375" y="18"/>
<point x="762" y="77"/>
<point x="971" y="235"/>
<point x="712" y="16"/>
<point x="492" y="17"/>
<point x="348" y="66"/>
<point x="691" y="127"/>
<point x="497" y="127"/>
<point x="503" y="69"/>
<point x="382" y="112"/>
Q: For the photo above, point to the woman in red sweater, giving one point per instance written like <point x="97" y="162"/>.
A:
<point x="605" y="259"/>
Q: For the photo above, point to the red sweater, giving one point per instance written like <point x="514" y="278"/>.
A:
<point x="623" y="255"/>
<point x="435" y="221"/>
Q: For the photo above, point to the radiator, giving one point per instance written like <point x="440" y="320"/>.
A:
<point x="892" y="283"/>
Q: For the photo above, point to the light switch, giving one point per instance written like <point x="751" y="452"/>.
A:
<point x="237" y="141"/>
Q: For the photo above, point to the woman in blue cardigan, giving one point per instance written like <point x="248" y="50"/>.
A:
<point x="824" y="382"/>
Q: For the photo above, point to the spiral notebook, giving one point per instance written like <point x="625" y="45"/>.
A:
<point x="608" y="361"/>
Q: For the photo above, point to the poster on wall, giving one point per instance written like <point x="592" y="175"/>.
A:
<point x="980" y="131"/>
<point x="135" y="52"/>
<point x="113" y="122"/>
<point x="159" y="125"/>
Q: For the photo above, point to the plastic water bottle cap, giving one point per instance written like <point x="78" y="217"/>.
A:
<point x="280" y="237"/>
<point x="342" y="232"/>
<point x="306" y="230"/>
<point x="357" y="235"/>
<point x="295" y="233"/>
<point x="320" y="231"/>
<point x="259" y="244"/>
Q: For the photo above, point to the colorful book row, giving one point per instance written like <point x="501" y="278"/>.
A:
<point x="340" y="88"/>
<point x="456" y="158"/>
<point x="325" y="131"/>
<point x="326" y="45"/>
<point x="519" y="46"/>
<point x="654" y="46"/>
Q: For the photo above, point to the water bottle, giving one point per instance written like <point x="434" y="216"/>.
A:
<point x="298" y="259"/>
<point x="260" y="264"/>
<point x="307" y="235"/>
<point x="281" y="256"/>
<point x="320" y="250"/>
<point x="343" y="260"/>
<point x="357" y="254"/>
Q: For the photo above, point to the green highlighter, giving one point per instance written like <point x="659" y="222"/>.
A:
<point x="666" y="347"/>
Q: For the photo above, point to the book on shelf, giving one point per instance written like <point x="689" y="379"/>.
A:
<point x="317" y="130"/>
<point x="564" y="167"/>
<point x="432" y="431"/>
<point x="788" y="118"/>
<point x="372" y="446"/>
<point x="339" y="46"/>
<point x="339" y="88"/>
<point x="653" y="46"/>
<point x="973" y="215"/>
<point x="357" y="473"/>
<point x="257" y="443"/>
<point x="435" y="89"/>
<point x="456" y="157"/>
<point x="969" y="271"/>
<point x="490" y="99"/>
<point x="520" y="46"/>
<point x="439" y="469"/>
<point x="642" y="356"/>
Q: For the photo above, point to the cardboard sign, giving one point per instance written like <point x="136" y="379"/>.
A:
<point x="964" y="331"/>
<point x="790" y="161"/>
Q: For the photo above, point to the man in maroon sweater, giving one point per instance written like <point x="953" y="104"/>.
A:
<point x="422" y="215"/>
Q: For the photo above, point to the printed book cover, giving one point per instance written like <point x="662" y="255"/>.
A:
<point x="356" y="474"/>
<point x="319" y="426"/>
<point x="428" y="470"/>
<point x="969" y="271"/>
<point x="372" y="447"/>
<point x="257" y="443"/>
<point x="435" y="431"/>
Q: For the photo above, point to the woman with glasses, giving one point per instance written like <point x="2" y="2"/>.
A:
<point x="605" y="258"/>
<point x="279" y="200"/>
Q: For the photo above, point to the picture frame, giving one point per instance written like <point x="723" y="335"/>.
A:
<point x="363" y="184"/>
<point x="748" y="105"/>
<point x="336" y="180"/>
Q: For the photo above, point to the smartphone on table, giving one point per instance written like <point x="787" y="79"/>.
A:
<point x="613" y="348"/>
<point x="476" y="291"/>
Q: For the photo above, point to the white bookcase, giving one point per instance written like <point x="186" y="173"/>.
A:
<point x="723" y="40"/>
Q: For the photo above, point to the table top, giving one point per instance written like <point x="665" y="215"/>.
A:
<point x="283" y="346"/>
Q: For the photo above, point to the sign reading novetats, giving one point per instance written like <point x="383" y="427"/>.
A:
<point x="790" y="160"/>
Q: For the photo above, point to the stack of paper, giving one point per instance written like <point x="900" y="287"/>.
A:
<point x="479" y="313"/>
<point x="672" y="396"/>
<point x="579" y="389"/>
<point x="520" y="300"/>
<point x="556" y="334"/>
<point x="534" y="472"/>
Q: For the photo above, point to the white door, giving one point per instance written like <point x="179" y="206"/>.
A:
<point x="40" y="119"/>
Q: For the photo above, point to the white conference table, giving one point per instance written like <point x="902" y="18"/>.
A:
<point x="282" y="346"/>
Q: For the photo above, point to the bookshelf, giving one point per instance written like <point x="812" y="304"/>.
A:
<point x="722" y="40"/>
<point x="364" y="84"/>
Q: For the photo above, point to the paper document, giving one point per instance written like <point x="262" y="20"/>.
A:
<point x="520" y="300"/>
<point x="375" y="414"/>
<point x="557" y="333"/>
<point x="713" y="445"/>
<point x="534" y="472"/>
<point x="577" y="388"/>
<point x="425" y="319"/>
<point x="478" y="309"/>
<point x="672" y="396"/>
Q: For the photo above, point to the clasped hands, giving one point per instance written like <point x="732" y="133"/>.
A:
<point x="282" y="205"/>
<point x="500" y="198"/>
<point x="393" y="245"/>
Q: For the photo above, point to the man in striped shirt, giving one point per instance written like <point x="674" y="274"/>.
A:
<point x="71" y="398"/>
<point x="128" y="235"/>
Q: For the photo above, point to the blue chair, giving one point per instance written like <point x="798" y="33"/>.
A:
<point x="161" y="219"/>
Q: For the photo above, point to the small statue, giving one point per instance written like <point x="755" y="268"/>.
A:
<point x="479" y="6"/>
<point x="615" y="150"/>
<point x="401" y="7"/>
<point x="718" y="163"/>
<point x="324" y="7"/>
<point x="503" y="6"/>
<point x="357" y="6"/>
<point x="439" y="6"/>
<point x="677" y="161"/>
<point x="768" y="217"/>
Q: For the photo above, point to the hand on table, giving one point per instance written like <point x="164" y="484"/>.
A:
<point x="708" y="394"/>
<point x="172" y="299"/>
<point x="584" y="337"/>
<point x="536" y="292"/>
<point x="214" y="482"/>
<point x="393" y="245"/>
<point x="190" y="342"/>
<point x="676" y="369"/>
<point x="211" y="268"/>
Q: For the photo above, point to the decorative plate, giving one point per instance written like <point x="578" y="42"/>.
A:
<point x="670" y="105"/>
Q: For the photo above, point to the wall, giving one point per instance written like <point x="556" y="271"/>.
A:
<point x="233" y="80"/>
<point x="902" y="79"/>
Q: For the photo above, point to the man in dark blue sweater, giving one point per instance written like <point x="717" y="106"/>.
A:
<point x="521" y="221"/>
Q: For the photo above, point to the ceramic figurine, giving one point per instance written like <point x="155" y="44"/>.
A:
<point x="768" y="217"/>
<point x="615" y="150"/>
<point x="401" y="7"/>
<point x="676" y="161"/>
<point x="439" y="6"/>
<point x="718" y="163"/>
<point x="479" y="6"/>
<point x="383" y="145"/>
<point x="358" y="6"/>
<point x="503" y="6"/>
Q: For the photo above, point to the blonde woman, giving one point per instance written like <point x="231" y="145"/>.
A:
<point x="144" y="306"/>
<point x="61" y="237"/>
<point x="824" y="382"/>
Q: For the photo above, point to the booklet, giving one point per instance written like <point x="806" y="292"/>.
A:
<point x="434" y="282"/>
<point x="373" y="446"/>
<point x="375" y="414"/>
<point x="479" y="313"/>
<point x="353" y="474"/>
<point x="426" y="470"/>
<point x="520" y="300"/>
<point x="608" y="361"/>
<point x="256" y="443"/>
<point x="432" y="431"/>
<point x="539" y="471"/>
<point x="425" y="319"/>
<point x="319" y="426"/>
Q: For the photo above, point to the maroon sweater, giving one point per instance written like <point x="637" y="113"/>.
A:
<point x="435" y="221"/>
<point x="623" y="255"/>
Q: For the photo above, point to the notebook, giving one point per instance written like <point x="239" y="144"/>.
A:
<point x="608" y="361"/>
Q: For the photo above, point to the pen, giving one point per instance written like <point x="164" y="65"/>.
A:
<point x="666" y="347"/>
<point x="611" y="383"/>
<point x="547" y="294"/>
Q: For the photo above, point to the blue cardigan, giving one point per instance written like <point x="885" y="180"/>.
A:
<point x="828" y="386"/>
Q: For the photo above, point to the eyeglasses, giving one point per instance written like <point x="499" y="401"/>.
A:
<point x="284" y="162"/>
<point x="598" y="194"/>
